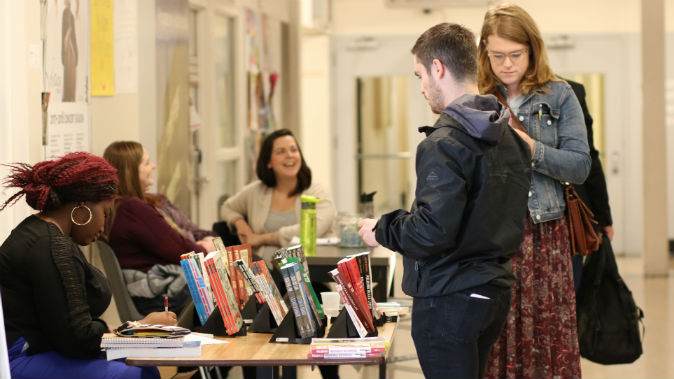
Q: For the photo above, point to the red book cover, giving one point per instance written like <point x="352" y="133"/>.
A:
<point x="351" y="286"/>
<point x="357" y="281"/>
<point x="220" y="298"/>
<point x="241" y="296"/>
<point x="232" y="273"/>
<point x="352" y="298"/>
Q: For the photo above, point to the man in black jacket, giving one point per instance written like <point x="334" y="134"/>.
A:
<point x="466" y="222"/>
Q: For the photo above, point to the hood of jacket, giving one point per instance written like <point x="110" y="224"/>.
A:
<point x="481" y="115"/>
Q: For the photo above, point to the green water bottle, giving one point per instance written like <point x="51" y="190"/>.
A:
<point x="308" y="224"/>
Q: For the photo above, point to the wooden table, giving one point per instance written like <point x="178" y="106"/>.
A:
<point x="326" y="260"/>
<point x="255" y="349"/>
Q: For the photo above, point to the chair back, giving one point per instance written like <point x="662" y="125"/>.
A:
<point x="125" y="306"/>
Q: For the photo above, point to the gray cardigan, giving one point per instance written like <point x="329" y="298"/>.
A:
<point x="253" y="203"/>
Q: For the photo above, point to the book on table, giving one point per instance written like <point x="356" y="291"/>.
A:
<point x="355" y="302"/>
<point x="201" y="295"/>
<point x="315" y="303"/>
<point x="187" y="349"/>
<point x="304" y="317"/>
<point x="221" y="283"/>
<point x="136" y="329"/>
<point x="336" y="348"/>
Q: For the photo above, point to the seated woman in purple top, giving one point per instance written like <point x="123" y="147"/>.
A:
<point x="145" y="237"/>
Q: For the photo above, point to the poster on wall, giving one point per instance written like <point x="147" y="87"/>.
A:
<point x="67" y="50"/>
<point x="67" y="128"/>
<point x="261" y="78"/>
<point x="66" y="76"/>
<point x="102" y="48"/>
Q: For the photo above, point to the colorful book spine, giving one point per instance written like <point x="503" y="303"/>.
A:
<point x="219" y="292"/>
<point x="200" y="260"/>
<point x="250" y="280"/>
<point x="246" y="256"/>
<point x="353" y="300"/>
<point x="225" y="280"/>
<point x="363" y="260"/>
<point x="194" y="291"/>
<point x="232" y="273"/>
<point x="315" y="303"/>
<point x="201" y="284"/>
<point x="269" y="297"/>
<point x="303" y="298"/>
<point x="352" y="272"/>
<point x="360" y="328"/>
<point x="260" y="268"/>
<point x="294" y="296"/>
<point x="242" y="297"/>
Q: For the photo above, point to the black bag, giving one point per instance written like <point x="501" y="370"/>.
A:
<point x="608" y="319"/>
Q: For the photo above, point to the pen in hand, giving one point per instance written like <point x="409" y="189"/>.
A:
<point x="166" y="304"/>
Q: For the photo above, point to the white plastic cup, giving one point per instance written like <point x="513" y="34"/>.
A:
<point x="330" y="300"/>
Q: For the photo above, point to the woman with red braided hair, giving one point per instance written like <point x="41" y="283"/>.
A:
<point x="52" y="297"/>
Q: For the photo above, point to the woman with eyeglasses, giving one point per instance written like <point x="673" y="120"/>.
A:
<point x="540" y="338"/>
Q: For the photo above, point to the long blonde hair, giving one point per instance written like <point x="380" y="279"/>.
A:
<point x="513" y="23"/>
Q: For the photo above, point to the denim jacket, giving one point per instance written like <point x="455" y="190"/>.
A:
<point x="555" y="121"/>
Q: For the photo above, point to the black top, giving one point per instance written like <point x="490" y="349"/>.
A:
<point x="593" y="192"/>
<point x="467" y="218"/>
<point x="51" y="295"/>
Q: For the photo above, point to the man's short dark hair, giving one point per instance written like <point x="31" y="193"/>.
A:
<point x="453" y="45"/>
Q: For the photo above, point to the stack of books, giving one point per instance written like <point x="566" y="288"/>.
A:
<point x="340" y="348"/>
<point x="354" y="286"/>
<point x="133" y="339"/>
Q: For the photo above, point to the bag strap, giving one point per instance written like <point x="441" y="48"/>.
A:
<point x="516" y="123"/>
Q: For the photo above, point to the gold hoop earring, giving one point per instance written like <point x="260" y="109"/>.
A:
<point x="72" y="213"/>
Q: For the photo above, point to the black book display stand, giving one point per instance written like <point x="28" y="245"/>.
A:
<point x="287" y="332"/>
<point x="342" y="327"/>
<point x="264" y="321"/>
<point x="379" y="321"/>
<point x="216" y="326"/>
<point x="250" y="310"/>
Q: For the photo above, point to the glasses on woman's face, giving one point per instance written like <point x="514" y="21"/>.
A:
<point x="515" y="56"/>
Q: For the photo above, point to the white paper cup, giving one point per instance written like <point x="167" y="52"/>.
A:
<point x="330" y="302"/>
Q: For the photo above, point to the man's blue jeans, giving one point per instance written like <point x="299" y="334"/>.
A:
<point x="454" y="334"/>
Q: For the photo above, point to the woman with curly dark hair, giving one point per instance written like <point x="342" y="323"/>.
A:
<point x="52" y="297"/>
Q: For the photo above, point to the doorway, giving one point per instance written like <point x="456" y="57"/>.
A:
<point x="380" y="109"/>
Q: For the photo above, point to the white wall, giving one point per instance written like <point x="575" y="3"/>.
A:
<point x="20" y="83"/>
<point x="316" y="115"/>
<point x="569" y="16"/>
